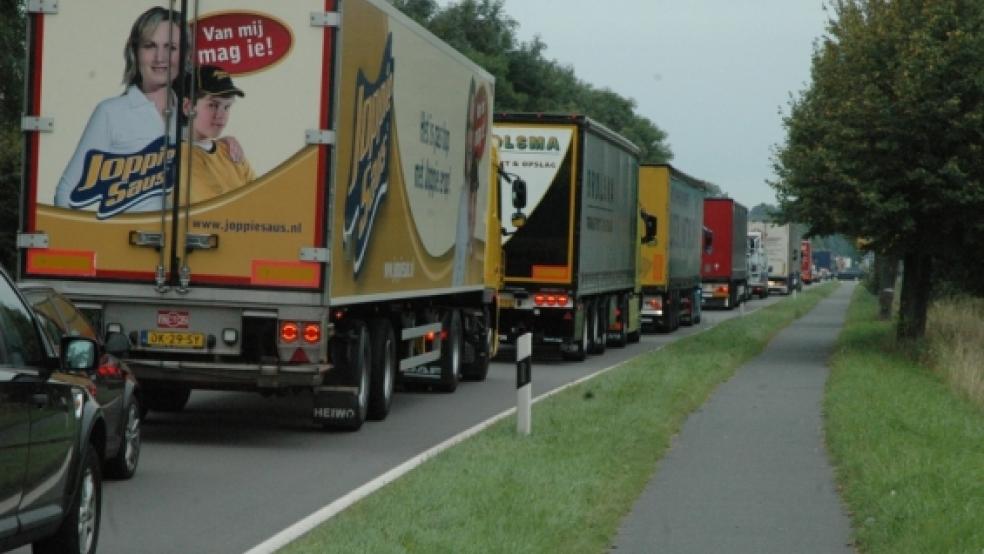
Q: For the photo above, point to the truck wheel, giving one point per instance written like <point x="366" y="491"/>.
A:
<point x="477" y="369"/>
<point x="165" y="398"/>
<point x="581" y="348"/>
<point x="451" y="352"/>
<point x="353" y="357"/>
<point x="599" y="327"/>
<point x="382" y="368"/>
<point x="79" y="529"/>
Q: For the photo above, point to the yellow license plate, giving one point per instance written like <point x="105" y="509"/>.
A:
<point x="173" y="339"/>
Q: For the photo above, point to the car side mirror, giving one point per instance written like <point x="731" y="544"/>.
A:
<point x="118" y="345"/>
<point x="79" y="353"/>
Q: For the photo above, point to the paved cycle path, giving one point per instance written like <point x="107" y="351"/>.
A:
<point x="749" y="472"/>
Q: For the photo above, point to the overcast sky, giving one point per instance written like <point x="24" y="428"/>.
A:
<point x="713" y="74"/>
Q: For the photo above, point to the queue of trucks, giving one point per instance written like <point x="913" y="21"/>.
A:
<point x="391" y="228"/>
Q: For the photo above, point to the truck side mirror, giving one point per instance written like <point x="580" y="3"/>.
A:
<point x="649" y="223"/>
<point x="708" y="241"/>
<point x="518" y="202"/>
<point x="519" y="194"/>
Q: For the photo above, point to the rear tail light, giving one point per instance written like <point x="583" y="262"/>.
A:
<point x="551" y="299"/>
<point x="289" y="331"/>
<point x="294" y="331"/>
<point x="655" y="303"/>
<point x="109" y="367"/>
<point x="312" y="333"/>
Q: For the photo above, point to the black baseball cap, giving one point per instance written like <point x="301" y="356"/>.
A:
<point x="213" y="80"/>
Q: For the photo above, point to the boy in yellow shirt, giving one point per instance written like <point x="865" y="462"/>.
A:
<point x="213" y="171"/>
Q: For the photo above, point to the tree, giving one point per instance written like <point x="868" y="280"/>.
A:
<point x="12" y="29"/>
<point x="525" y="80"/>
<point x="887" y="140"/>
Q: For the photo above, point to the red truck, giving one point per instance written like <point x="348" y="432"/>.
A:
<point x="724" y="271"/>
<point x="806" y="261"/>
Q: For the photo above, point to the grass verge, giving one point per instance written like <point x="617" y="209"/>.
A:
<point x="909" y="453"/>
<point x="566" y="487"/>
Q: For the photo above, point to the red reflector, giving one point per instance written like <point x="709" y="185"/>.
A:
<point x="312" y="332"/>
<point x="299" y="357"/>
<point x="108" y="367"/>
<point x="288" y="332"/>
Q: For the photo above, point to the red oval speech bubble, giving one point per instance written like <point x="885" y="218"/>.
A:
<point x="241" y="42"/>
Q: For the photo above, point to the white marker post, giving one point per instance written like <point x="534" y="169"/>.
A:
<point x="524" y="384"/>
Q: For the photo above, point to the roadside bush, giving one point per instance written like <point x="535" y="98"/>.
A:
<point x="955" y="344"/>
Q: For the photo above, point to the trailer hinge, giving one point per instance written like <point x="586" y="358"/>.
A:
<point x="325" y="19"/>
<point x="311" y="254"/>
<point x="32" y="240"/>
<point x="37" y="123"/>
<point x="319" y="136"/>
<point x="42" y="6"/>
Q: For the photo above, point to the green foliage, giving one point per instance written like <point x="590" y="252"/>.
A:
<point x="12" y="28"/>
<point x="887" y="142"/>
<point x="907" y="450"/>
<point x="525" y="80"/>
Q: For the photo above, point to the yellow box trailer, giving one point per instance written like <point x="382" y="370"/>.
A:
<point x="280" y="196"/>
<point x="671" y="205"/>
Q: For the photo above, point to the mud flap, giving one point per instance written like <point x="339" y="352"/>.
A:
<point x="336" y="409"/>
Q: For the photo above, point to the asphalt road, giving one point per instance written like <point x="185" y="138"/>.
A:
<point x="233" y="469"/>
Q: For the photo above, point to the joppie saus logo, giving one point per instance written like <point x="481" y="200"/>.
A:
<point x="370" y="157"/>
<point x="119" y="181"/>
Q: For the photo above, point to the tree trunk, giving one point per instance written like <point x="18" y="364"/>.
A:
<point x="883" y="274"/>
<point x="914" y="299"/>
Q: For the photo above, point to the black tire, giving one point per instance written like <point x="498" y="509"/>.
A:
<point x="383" y="366"/>
<point x="79" y="529"/>
<point x="165" y="398"/>
<point x="451" y="352"/>
<point x="599" y="328"/>
<point x="580" y="352"/>
<point x="477" y="367"/>
<point x="355" y="356"/>
<point x="124" y="464"/>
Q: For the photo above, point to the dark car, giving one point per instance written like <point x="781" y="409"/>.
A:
<point x="849" y="274"/>
<point x="115" y="385"/>
<point x="52" y="435"/>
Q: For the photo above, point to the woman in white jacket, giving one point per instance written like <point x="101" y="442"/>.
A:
<point x="124" y="157"/>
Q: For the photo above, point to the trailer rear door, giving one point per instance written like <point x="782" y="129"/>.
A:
<point x="104" y="170"/>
